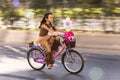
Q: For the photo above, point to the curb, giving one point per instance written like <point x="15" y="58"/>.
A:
<point x="103" y="47"/>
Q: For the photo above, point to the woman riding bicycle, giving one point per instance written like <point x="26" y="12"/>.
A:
<point x="50" y="42"/>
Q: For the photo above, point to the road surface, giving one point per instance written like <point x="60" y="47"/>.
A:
<point x="98" y="66"/>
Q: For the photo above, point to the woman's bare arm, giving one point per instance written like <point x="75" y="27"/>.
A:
<point x="60" y="30"/>
<point x="45" y="27"/>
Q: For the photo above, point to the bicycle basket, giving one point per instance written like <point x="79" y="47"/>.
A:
<point x="70" y="40"/>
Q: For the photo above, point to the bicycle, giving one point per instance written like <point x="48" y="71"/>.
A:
<point x="72" y="60"/>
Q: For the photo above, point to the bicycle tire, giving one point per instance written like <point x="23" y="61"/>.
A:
<point x="64" y="57"/>
<point x="28" y="59"/>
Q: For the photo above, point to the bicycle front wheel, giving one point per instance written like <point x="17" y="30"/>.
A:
<point x="73" y="61"/>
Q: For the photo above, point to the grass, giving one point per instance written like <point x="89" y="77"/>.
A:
<point x="117" y="10"/>
<point x="72" y="12"/>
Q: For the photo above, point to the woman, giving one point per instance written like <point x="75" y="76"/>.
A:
<point x="48" y="41"/>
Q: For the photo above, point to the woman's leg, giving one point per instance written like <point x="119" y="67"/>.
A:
<point x="44" y="43"/>
<point x="51" y="40"/>
<point x="47" y="42"/>
<point x="56" y="43"/>
<point x="48" y="54"/>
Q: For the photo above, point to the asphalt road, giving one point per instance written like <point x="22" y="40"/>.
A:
<point x="98" y="66"/>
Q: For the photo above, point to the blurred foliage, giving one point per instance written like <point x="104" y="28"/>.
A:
<point x="8" y="11"/>
<point x="61" y="8"/>
<point x="108" y="8"/>
<point x="39" y="4"/>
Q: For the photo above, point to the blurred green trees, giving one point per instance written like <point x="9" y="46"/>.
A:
<point x="8" y="11"/>
<point x="61" y="8"/>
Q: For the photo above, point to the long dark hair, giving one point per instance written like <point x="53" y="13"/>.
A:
<point x="45" y="16"/>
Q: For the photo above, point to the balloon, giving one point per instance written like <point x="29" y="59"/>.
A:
<point x="67" y="24"/>
<point x="16" y="3"/>
<point x="67" y="29"/>
<point x="68" y="19"/>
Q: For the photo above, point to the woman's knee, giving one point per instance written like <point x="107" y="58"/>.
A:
<point x="48" y="50"/>
<point x="57" y="38"/>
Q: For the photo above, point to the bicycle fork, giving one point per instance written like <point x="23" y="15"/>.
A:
<point x="69" y="56"/>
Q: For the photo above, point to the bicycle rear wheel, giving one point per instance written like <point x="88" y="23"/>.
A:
<point x="73" y="61"/>
<point x="33" y="54"/>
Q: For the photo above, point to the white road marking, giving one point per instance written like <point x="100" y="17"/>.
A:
<point x="14" y="49"/>
<point x="25" y="48"/>
<point x="1" y="47"/>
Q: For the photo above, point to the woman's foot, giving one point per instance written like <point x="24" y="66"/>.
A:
<point x="50" y="66"/>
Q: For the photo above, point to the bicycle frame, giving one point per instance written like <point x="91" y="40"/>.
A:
<point x="56" y="54"/>
<point x="40" y="59"/>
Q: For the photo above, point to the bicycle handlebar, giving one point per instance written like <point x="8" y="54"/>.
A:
<point x="60" y="35"/>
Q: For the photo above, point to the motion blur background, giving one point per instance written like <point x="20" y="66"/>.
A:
<point x="86" y="15"/>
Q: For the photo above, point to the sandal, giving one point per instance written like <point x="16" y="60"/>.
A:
<point x="50" y="66"/>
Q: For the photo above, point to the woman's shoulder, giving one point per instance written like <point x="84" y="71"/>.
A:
<point x="43" y="25"/>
